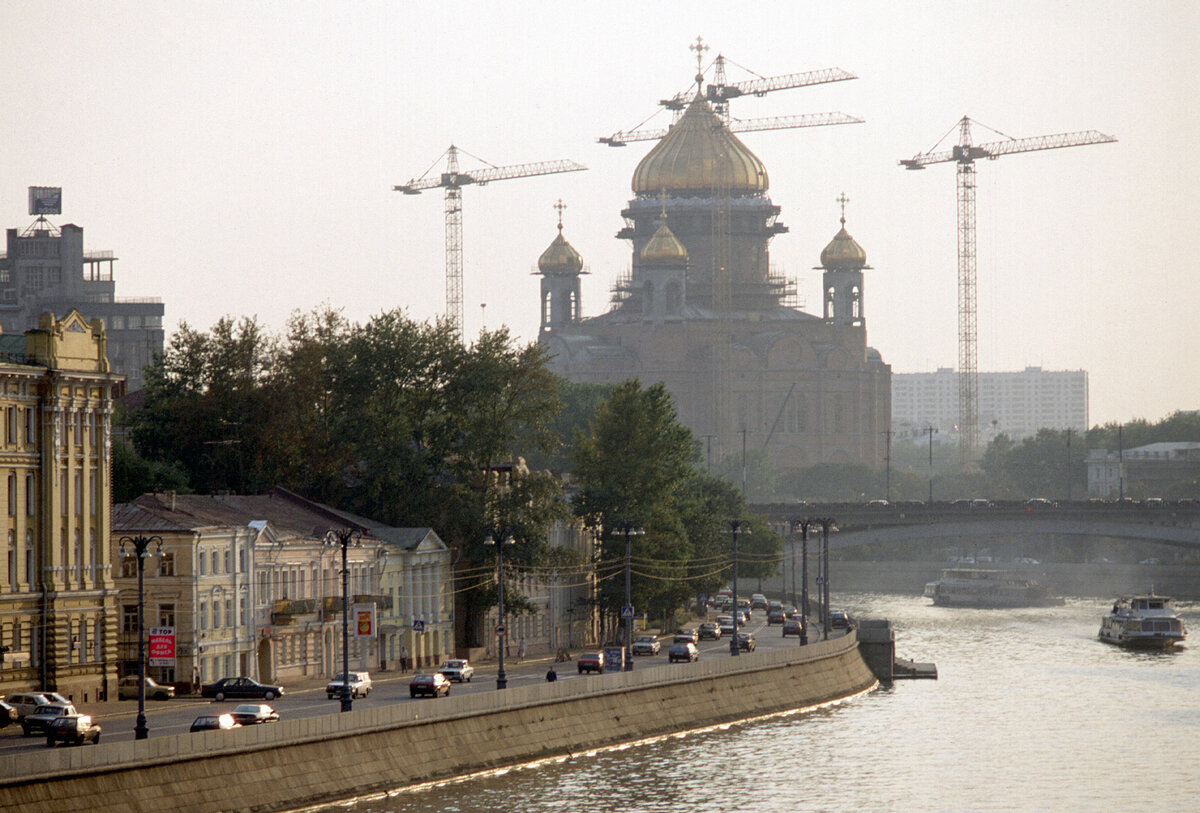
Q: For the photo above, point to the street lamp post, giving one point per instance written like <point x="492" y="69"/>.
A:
<point x="629" y="529"/>
<point x="826" y="524"/>
<point x="140" y="548"/>
<point x="501" y="630"/>
<point x="735" y="525"/>
<point x="344" y="538"/>
<point x="804" y="525"/>
<point x="930" y="430"/>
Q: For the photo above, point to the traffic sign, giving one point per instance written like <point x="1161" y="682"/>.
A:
<point x="500" y="629"/>
<point x="820" y="579"/>
<point x="418" y="625"/>
<point x="627" y="612"/>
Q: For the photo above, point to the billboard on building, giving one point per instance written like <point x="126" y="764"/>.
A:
<point x="364" y="620"/>
<point x="161" y="651"/>
<point x="45" y="200"/>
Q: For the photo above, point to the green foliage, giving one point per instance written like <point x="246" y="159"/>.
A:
<point x="133" y="475"/>
<point x="579" y="404"/>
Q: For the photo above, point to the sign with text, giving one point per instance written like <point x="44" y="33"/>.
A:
<point x="45" y="200"/>
<point x="161" y="650"/>
<point x="364" y="620"/>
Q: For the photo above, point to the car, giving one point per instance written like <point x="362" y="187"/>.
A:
<point x="646" y="645"/>
<point x="1153" y="560"/>
<point x="838" y="619"/>
<point x="457" y="669"/>
<point x="774" y="605"/>
<point x="591" y="662"/>
<point x="878" y="503"/>
<point x="73" y="729"/>
<point x="686" y="635"/>
<point x="127" y="689"/>
<point x="1039" y="502"/>
<point x="683" y="651"/>
<point x="757" y="601"/>
<point x="742" y="618"/>
<point x="240" y="687"/>
<point x="745" y="641"/>
<point x="39" y="722"/>
<point x="791" y="626"/>
<point x="214" y="722"/>
<point x="431" y="684"/>
<point x="254" y="713"/>
<point x="710" y="629"/>
<point x="8" y="713"/>
<point x="360" y="685"/>
<point x="775" y="616"/>
<point x="30" y="702"/>
<point x="789" y="611"/>
<point x="743" y="606"/>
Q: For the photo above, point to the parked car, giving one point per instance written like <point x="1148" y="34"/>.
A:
<point x="591" y="662"/>
<point x="214" y="722"/>
<point x="240" y="687"/>
<point x="839" y="620"/>
<point x="710" y="629"/>
<point x="29" y="702"/>
<point x="683" y="651"/>
<point x="775" y="616"/>
<point x="254" y="713"/>
<point x="758" y="601"/>
<point x="685" y="635"/>
<point x="745" y="641"/>
<point x="127" y="689"/>
<point x="360" y="685"/>
<point x="431" y="684"/>
<point x="73" y="729"/>
<point x="791" y="626"/>
<point x="457" y="669"/>
<point x="39" y="722"/>
<point x="646" y="645"/>
<point x="8" y="713"/>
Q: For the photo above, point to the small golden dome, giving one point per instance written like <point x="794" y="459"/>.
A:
<point x="699" y="155"/>
<point x="560" y="257"/>
<point x="664" y="248"/>
<point x="843" y="253"/>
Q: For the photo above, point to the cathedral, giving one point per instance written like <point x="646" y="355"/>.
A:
<point x="702" y="312"/>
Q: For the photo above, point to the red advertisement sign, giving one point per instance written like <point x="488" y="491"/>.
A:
<point x="161" y="649"/>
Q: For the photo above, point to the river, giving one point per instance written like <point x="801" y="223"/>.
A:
<point x="1030" y="712"/>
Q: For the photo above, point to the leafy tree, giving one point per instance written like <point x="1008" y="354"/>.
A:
<point x="134" y="475"/>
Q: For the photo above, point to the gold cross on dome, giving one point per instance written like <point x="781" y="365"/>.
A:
<point x="842" y="199"/>
<point x="560" y="207"/>
<point x="699" y="47"/>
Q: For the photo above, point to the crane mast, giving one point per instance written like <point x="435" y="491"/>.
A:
<point x="964" y="154"/>
<point x="453" y="180"/>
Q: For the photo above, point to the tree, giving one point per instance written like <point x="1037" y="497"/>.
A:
<point x="134" y="475"/>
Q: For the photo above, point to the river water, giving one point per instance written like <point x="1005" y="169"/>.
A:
<point x="1030" y="712"/>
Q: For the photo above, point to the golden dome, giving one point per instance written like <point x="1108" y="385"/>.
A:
<point x="697" y="156"/>
<point x="664" y="248"/>
<point x="843" y="253"/>
<point x="560" y="257"/>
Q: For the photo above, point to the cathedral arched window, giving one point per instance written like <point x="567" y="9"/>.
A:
<point x="855" y="302"/>
<point x="573" y="303"/>
<point x="830" y="294"/>
<point x="546" y="297"/>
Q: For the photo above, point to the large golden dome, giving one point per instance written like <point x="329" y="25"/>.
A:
<point x="560" y="257"/>
<point x="664" y="248"/>
<point x="698" y="156"/>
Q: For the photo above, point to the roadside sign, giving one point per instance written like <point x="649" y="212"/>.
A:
<point x="626" y="612"/>
<point x="500" y="630"/>
<point x="161" y="650"/>
<point x="820" y="579"/>
<point x="418" y="625"/>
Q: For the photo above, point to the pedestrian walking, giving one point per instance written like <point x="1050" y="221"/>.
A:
<point x="521" y="651"/>
<point x="551" y="676"/>
<point x="403" y="658"/>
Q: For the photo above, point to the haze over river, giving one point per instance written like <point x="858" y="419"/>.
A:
<point x="1030" y="712"/>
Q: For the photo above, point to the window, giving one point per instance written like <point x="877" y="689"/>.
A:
<point x="12" y="495"/>
<point x="30" y="428"/>
<point x="203" y="563"/>
<point x="129" y="618"/>
<point x="12" y="561"/>
<point x="228" y="560"/>
<point x="11" y="423"/>
<point x="216" y="563"/>
<point x="203" y="613"/>
<point x="166" y="566"/>
<point x="166" y="615"/>
<point x="30" y="496"/>
<point x="229" y="612"/>
<point x="128" y="566"/>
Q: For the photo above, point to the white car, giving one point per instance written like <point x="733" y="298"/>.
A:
<point x="457" y="670"/>
<point x="646" y="645"/>
<point x="360" y="685"/>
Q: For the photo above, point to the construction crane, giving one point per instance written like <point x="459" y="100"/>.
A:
<point x="720" y="92"/>
<point x="741" y="126"/>
<point x="965" y="154"/>
<point x="453" y="180"/>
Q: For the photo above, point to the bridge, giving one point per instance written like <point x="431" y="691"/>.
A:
<point x="880" y="523"/>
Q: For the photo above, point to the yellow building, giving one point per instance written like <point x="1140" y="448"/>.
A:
<point x="57" y="601"/>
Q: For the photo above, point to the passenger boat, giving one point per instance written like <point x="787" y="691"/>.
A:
<point x="1143" y="622"/>
<point x="977" y="587"/>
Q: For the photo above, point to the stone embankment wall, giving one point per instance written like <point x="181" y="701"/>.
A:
<point x="377" y="748"/>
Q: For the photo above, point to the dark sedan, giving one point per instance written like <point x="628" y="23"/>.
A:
<point x="39" y="723"/>
<point x="73" y="729"/>
<point x="240" y="687"/>
<point x="254" y="713"/>
<point x="431" y="685"/>
<point x="745" y="641"/>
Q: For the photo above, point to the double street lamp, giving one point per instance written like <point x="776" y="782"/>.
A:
<point x="140" y="547"/>
<point x="736" y="525"/>
<point x="803" y="525"/>
<point x="630" y="529"/>
<point x="501" y="630"/>
<point x="344" y="538"/>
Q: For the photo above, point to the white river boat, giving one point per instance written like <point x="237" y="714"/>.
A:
<point x="1143" y="622"/>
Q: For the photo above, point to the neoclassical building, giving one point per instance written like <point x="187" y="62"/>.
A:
<point x="58" y="618"/>
<point x="702" y="311"/>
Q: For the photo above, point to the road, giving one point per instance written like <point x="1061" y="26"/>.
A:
<point x="175" y="716"/>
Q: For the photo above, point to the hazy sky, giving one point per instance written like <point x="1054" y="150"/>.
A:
<point x="239" y="157"/>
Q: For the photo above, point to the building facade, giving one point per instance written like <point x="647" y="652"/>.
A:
<point x="1170" y="470"/>
<point x="45" y="269"/>
<point x="1016" y="404"/>
<point x="703" y="312"/>
<point x="58" y="617"/>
